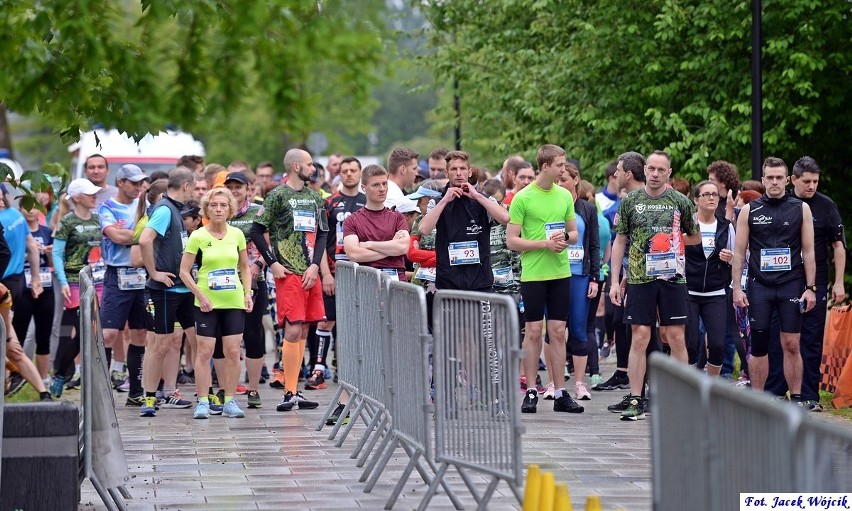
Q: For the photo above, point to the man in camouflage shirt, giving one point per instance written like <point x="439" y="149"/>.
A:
<point x="294" y="216"/>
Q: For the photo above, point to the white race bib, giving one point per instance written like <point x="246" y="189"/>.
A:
<point x="44" y="276"/>
<point x="391" y="273"/>
<point x="708" y="242"/>
<point x="661" y="265"/>
<point x="424" y="273"/>
<point x="98" y="272"/>
<point x="553" y="228"/>
<point x="775" y="259"/>
<point x="576" y="253"/>
<point x="131" y="278"/>
<point x="304" y="221"/>
<point x="184" y="237"/>
<point x="503" y="277"/>
<point x="464" y="252"/>
<point x="222" y="280"/>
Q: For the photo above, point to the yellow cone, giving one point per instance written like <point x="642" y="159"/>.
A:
<point x="532" y="489"/>
<point x="593" y="503"/>
<point x="548" y="492"/>
<point x="563" y="502"/>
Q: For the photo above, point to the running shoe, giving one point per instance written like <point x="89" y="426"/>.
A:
<point x="743" y="382"/>
<point x="622" y="405"/>
<point x="605" y="350"/>
<point x="74" y="383"/>
<point x="596" y="379"/>
<point x="232" y="409"/>
<point x="549" y="392"/>
<point x="117" y="378"/>
<point x="56" y="386"/>
<point x="215" y="404"/>
<point x="135" y="401"/>
<point x="123" y="386"/>
<point x="635" y="410"/>
<point x="264" y="373"/>
<point x="221" y="396"/>
<point x="149" y="407"/>
<point x="297" y="399"/>
<point x="335" y="416"/>
<point x="581" y="391"/>
<point x="202" y="411"/>
<point x="615" y="382"/>
<point x="45" y="396"/>
<point x="254" y="399"/>
<point x="175" y="400"/>
<point x="530" y="404"/>
<point x="241" y="390"/>
<point x="811" y="405"/>
<point x="564" y="403"/>
<point x="277" y="379"/>
<point x="16" y="383"/>
<point x="186" y="377"/>
<point x="316" y="381"/>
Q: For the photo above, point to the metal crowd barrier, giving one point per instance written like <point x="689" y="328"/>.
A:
<point x="104" y="463"/>
<point x="406" y="372"/>
<point x="712" y="441"/>
<point x="477" y="422"/>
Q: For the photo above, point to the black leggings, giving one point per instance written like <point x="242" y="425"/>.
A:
<point x="592" y="365"/>
<point x="254" y="337"/>
<point x="710" y="309"/>
<point x="69" y="346"/>
<point x="41" y="309"/>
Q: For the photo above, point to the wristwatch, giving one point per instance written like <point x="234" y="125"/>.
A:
<point x="812" y="287"/>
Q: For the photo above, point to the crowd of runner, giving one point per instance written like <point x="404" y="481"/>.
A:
<point x="199" y="269"/>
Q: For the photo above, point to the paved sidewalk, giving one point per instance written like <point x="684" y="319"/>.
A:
<point x="274" y="459"/>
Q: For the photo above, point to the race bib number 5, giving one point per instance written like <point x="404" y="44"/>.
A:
<point x="222" y="280"/>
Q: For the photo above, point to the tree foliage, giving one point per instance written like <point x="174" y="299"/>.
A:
<point x="143" y="65"/>
<point x="601" y="77"/>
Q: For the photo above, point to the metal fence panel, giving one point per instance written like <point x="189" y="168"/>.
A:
<point x="406" y="365"/>
<point x="348" y="337"/>
<point x="824" y="454"/>
<point x="477" y="422"/>
<point x="372" y="300"/>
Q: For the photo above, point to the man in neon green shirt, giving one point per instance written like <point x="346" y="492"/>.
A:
<point x="541" y="226"/>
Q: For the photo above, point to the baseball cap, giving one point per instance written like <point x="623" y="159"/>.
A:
<point x="238" y="177"/>
<point x="423" y="170"/>
<point x="130" y="172"/>
<point x="406" y="206"/>
<point x="423" y="192"/>
<point x="82" y="186"/>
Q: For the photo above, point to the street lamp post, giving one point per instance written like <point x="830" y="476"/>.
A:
<point x="756" y="93"/>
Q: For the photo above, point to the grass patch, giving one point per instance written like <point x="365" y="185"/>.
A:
<point x="825" y="399"/>
<point x="27" y="394"/>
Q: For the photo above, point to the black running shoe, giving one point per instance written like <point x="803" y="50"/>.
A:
<point x="530" y="404"/>
<point x="621" y="405"/>
<point x="615" y="382"/>
<point x="565" y="403"/>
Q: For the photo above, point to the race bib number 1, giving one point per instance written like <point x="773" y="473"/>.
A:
<point x="661" y="265"/>
<point x="775" y="259"/>
<point x="222" y="280"/>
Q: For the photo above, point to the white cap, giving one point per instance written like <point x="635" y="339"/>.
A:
<point x="82" y="186"/>
<point x="407" y="206"/>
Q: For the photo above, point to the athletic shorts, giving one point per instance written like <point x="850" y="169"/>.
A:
<point x="171" y="307"/>
<point x="645" y="301"/>
<point x="219" y="323"/>
<point x="297" y="305"/>
<point x="553" y="295"/>
<point x="74" y="301"/>
<point x="330" y="303"/>
<point x="783" y="298"/>
<point x="121" y="306"/>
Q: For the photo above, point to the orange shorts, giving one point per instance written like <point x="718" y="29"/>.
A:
<point x="297" y="305"/>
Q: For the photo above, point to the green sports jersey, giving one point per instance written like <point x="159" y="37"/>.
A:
<point x="293" y="219"/>
<point x="244" y="223"/>
<point x="505" y="263"/>
<point x="540" y="213"/>
<point x="82" y="244"/>
<point x="427" y="242"/>
<point x="219" y="276"/>
<point x="655" y="227"/>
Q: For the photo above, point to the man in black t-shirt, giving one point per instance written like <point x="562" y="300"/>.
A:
<point x="828" y="232"/>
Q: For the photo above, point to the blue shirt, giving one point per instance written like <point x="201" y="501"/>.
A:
<point x="605" y="234"/>
<point x="577" y="266"/>
<point x="44" y="238"/>
<point x="123" y="216"/>
<point x="16" y="232"/>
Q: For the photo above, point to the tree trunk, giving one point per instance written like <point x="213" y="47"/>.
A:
<point x="5" y="135"/>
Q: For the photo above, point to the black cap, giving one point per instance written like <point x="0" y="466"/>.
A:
<point x="238" y="177"/>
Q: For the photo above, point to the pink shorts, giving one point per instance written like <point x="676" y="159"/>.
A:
<point x="74" y="301"/>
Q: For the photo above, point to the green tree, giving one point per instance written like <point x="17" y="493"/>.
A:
<point x="603" y="77"/>
<point x="142" y="65"/>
